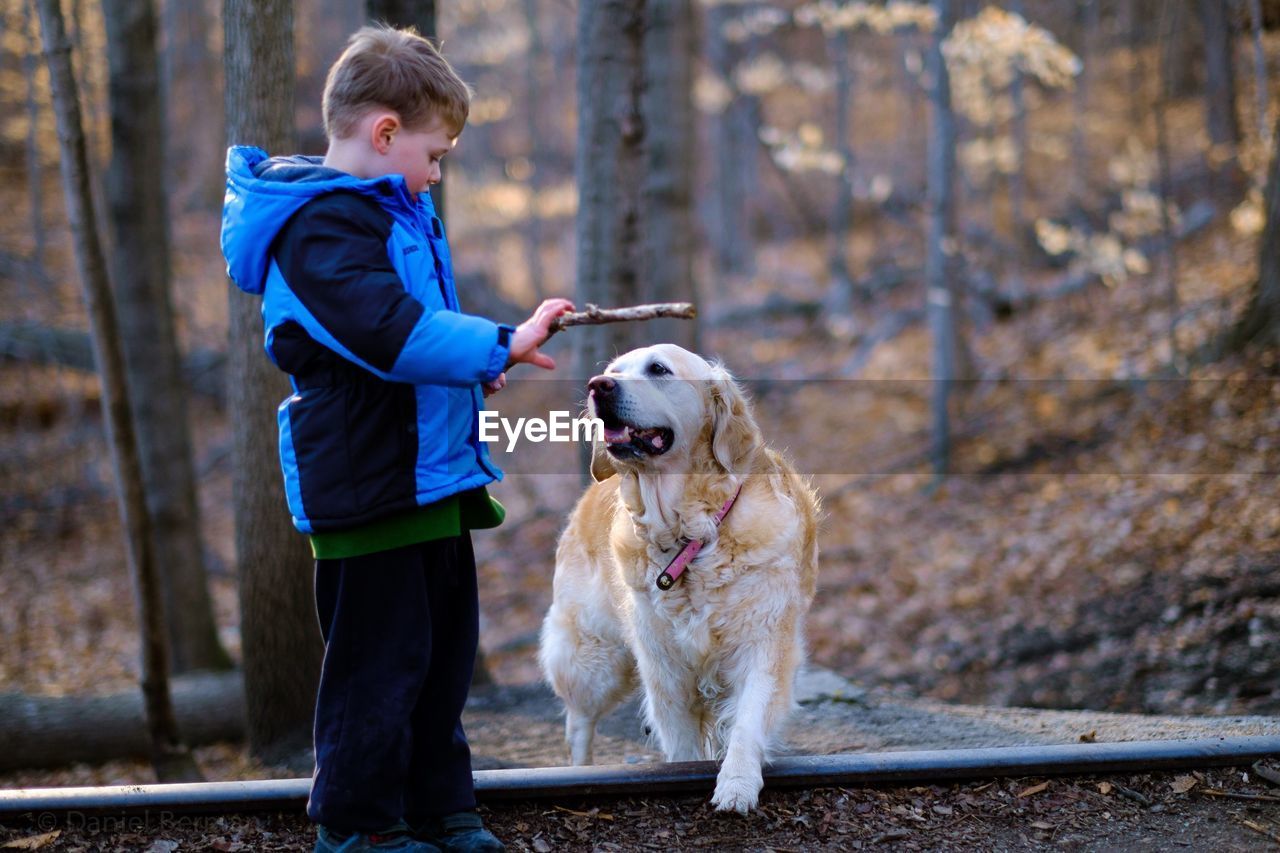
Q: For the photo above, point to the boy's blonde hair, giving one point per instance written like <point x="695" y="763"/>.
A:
<point x="396" y="69"/>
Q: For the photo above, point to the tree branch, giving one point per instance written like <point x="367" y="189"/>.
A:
<point x="595" y="316"/>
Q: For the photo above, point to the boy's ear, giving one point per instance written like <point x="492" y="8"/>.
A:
<point x="383" y="130"/>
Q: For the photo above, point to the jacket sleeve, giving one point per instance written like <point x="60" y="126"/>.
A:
<point x="332" y="255"/>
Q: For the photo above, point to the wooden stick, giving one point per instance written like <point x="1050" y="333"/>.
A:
<point x="595" y="316"/>
<point x="1263" y="798"/>
<point x="1259" y="828"/>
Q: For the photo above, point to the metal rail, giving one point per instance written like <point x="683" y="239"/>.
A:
<point x="845" y="770"/>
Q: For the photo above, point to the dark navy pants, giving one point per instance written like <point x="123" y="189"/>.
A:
<point x="400" y="630"/>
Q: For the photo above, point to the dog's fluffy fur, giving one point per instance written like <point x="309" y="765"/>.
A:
<point x="717" y="654"/>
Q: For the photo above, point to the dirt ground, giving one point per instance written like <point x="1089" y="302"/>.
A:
<point x="1218" y="810"/>
<point x="510" y="727"/>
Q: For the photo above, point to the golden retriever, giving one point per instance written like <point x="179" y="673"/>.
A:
<point x="717" y="652"/>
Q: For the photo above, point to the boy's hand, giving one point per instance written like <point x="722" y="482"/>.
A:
<point x="491" y="388"/>
<point x="531" y="334"/>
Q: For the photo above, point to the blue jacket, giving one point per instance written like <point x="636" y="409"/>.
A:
<point x="360" y="310"/>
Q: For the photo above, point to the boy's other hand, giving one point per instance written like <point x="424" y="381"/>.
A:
<point x="491" y="388"/>
<point x="532" y="333"/>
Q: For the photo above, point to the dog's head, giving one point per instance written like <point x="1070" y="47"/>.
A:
<point x="667" y="409"/>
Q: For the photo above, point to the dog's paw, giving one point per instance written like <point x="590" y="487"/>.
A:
<point x="738" y="793"/>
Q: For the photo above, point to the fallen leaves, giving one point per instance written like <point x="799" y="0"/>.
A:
<point x="596" y="813"/>
<point x="1266" y="772"/>
<point x="1033" y="790"/>
<point x="32" y="842"/>
<point x="1182" y="784"/>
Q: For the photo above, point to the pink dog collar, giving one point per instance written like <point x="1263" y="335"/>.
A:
<point x="676" y="567"/>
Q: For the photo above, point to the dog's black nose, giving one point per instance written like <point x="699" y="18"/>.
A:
<point x="602" y="386"/>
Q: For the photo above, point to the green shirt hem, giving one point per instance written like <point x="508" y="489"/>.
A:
<point x="471" y="510"/>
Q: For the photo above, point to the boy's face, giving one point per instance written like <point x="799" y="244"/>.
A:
<point x="416" y="154"/>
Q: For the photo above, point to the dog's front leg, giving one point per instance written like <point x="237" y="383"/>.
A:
<point x="754" y="708"/>
<point x="671" y="705"/>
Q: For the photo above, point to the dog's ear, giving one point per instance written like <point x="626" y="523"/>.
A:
<point x="735" y="438"/>
<point x="601" y="462"/>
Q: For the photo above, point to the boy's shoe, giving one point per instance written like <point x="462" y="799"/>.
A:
<point x="397" y="839"/>
<point x="461" y="832"/>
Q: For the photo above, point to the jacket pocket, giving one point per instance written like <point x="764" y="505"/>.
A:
<point x="382" y="435"/>
<point x="317" y="428"/>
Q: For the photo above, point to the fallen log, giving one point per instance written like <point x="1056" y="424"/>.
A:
<point x="54" y="731"/>
<point x="35" y="343"/>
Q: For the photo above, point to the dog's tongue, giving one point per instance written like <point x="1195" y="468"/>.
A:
<point x="621" y="435"/>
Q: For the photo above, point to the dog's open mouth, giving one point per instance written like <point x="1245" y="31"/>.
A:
<point x="625" y="441"/>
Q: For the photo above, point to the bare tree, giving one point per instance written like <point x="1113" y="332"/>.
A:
<point x="35" y="172"/>
<point x="669" y="155"/>
<point x="421" y="15"/>
<point x="1220" y="80"/>
<point x="840" y="287"/>
<point x="172" y="761"/>
<point x="282" y="646"/>
<point x="140" y="272"/>
<point x="1259" y="69"/>
<point x="1260" y="323"/>
<point x="734" y="154"/>
<point x="533" y="117"/>
<point x="192" y="78"/>
<point x="1018" y="180"/>
<point x="1169" y="20"/>
<point x="1088" y="25"/>
<point x="608" y="168"/>
<point x="941" y="245"/>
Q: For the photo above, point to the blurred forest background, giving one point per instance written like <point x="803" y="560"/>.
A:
<point x="1021" y="329"/>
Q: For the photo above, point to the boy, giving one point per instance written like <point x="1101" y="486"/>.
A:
<point x="379" y="444"/>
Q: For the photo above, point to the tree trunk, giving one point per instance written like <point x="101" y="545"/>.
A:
<point x="732" y="245"/>
<point x="941" y="244"/>
<point x="56" y="731"/>
<point x="1259" y="71"/>
<point x="670" y="150"/>
<point x="1088" y="14"/>
<point x="421" y="15"/>
<point x="202" y="369"/>
<point x="282" y="647"/>
<point x="840" y="285"/>
<point x="191" y="77"/>
<point x="170" y="758"/>
<point x="140" y="271"/>
<point x="35" y="169"/>
<point x="1169" y="21"/>
<point x="608" y="169"/>
<point x="1260" y="323"/>
<point x="1220" y="81"/>
<point x="533" y="114"/>
<point x="1018" y="180"/>
<point x="1135" y="33"/>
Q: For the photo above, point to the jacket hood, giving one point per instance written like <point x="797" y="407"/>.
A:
<point x="263" y="192"/>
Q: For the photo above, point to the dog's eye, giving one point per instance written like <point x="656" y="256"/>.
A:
<point x="657" y="368"/>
